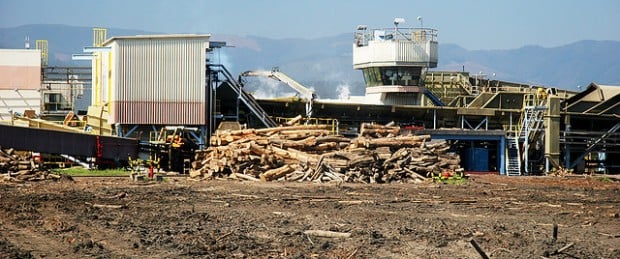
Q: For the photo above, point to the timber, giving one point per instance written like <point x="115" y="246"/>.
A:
<point x="311" y="153"/>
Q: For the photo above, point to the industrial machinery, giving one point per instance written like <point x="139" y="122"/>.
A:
<point x="306" y="93"/>
<point x="172" y="148"/>
<point x="496" y="126"/>
<point x="101" y="151"/>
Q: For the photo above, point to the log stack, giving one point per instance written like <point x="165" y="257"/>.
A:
<point x="311" y="153"/>
<point x="18" y="166"/>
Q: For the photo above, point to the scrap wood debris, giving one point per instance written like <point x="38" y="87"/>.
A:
<point x="312" y="153"/>
<point x="19" y="166"/>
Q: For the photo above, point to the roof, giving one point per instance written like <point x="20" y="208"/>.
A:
<point x="158" y="36"/>
<point x="595" y="99"/>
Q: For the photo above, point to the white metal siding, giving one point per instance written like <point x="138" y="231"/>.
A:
<point x="20" y="57"/>
<point x="387" y="53"/>
<point x="158" y="81"/>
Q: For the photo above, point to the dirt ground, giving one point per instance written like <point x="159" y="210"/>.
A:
<point x="508" y="217"/>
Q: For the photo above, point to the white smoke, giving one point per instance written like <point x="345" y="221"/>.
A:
<point x="343" y="90"/>
<point x="265" y="88"/>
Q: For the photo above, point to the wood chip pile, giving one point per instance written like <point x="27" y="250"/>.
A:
<point x="18" y="166"/>
<point x="311" y="153"/>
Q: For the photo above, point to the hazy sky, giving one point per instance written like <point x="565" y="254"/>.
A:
<point x="483" y="24"/>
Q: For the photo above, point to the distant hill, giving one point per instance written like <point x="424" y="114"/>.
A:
<point x="568" y="66"/>
<point x="324" y="63"/>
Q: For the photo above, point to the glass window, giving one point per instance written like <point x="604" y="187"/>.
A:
<point x="372" y="76"/>
<point x="404" y="76"/>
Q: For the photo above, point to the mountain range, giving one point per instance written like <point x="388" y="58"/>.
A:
<point x="326" y="62"/>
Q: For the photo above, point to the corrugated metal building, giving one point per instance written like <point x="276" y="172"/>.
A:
<point x="20" y="81"/>
<point x="152" y="79"/>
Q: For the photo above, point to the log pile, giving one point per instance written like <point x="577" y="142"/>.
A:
<point x="311" y="153"/>
<point x="18" y="166"/>
<point x="379" y="131"/>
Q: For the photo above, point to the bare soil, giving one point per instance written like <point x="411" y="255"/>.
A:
<point x="178" y="218"/>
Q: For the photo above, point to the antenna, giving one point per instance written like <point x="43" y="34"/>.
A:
<point x="421" y="21"/>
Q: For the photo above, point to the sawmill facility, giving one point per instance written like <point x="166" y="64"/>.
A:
<point x="146" y="89"/>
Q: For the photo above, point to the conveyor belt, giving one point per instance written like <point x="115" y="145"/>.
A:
<point x="68" y="143"/>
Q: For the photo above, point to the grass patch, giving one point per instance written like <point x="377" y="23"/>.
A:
<point x="456" y="181"/>
<point x="457" y="178"/>
<point x="86" y="172"/>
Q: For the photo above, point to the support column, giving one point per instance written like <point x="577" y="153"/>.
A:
<point x="203" y="137"/>
<point x="567" y="131"/>
<point x="501" y="155"/>
<point x="434" y="119"/>
<point x="119" y="130"/>
<point x="552" y="131"/>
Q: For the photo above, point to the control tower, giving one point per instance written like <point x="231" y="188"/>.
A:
<point x="393" y="61"/>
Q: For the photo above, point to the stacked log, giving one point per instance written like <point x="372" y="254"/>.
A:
<point x="311" y="153"/>
<point x="18" y="166"/>
<point x="378" y="130"/>
<point x="12" y="161"/>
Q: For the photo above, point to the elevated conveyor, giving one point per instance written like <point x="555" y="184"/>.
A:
<point x="68" y="143"/>
<point x="306" y="93"/>
<point x="436" y="101"/>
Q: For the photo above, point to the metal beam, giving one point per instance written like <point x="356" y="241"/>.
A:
<point x="90" y="49"/>
<point x="131" y="130"/>
<point x="596" y="143"/>
<point x="82" y="57"/>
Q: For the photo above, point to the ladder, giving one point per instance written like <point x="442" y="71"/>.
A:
<point x="513" y="165"/>
<point x="245" y="97"/>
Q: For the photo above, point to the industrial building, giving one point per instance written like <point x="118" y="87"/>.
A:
<point x="20" y="81"/>
<point x="149" y="82"/>
<point x="34" y="90"/>
<point x="145" y="85"/>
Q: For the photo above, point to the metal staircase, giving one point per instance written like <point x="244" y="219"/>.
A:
<point x="531" y="125"/>
<point x="531" y="122"/>
<point x="245" y="97"/>
<point x="513" y="165"/>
